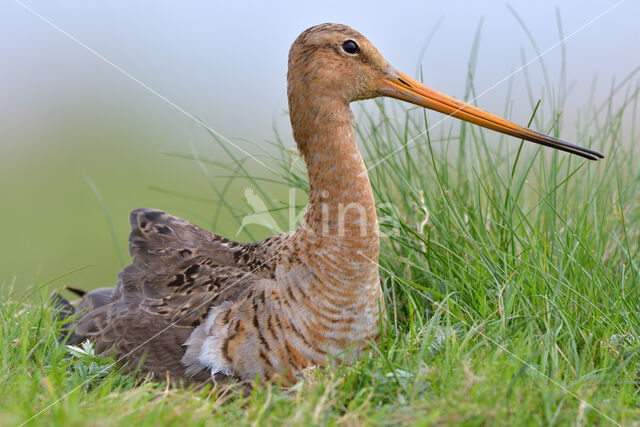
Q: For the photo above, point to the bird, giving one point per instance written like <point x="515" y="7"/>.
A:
<point x="196" y="306"/>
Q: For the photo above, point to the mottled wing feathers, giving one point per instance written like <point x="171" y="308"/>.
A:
<point x="158" y="239"/>
<point x="179" y="271"/>
<point x="185" y="297"/>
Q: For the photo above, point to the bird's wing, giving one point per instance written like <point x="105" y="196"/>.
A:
<point x="179" y="271"/>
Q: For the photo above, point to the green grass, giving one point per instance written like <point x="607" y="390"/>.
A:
<point x="510" y="275"/>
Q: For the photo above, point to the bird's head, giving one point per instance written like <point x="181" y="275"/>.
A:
<point x="336" y="61"/>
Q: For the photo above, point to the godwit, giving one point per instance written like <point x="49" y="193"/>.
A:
<point x="196" y="305"/>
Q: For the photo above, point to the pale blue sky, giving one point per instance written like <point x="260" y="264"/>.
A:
<point x="226" y="61"/>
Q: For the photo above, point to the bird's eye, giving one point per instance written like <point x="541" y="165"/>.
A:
<point x="350" y="47"/>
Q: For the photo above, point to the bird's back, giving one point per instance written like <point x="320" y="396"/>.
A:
<point x="178" y="273"/>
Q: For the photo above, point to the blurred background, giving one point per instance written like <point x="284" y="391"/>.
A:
<point x="73" y="126"/>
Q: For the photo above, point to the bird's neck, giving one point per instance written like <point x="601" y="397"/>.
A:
<point x="341" y="214"/>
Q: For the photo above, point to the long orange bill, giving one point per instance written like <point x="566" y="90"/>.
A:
<point x="407" y="89"/>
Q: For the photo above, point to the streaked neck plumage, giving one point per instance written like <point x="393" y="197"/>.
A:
<point x="340" y="227"/>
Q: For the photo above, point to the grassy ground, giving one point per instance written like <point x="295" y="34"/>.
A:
<point x="510" y="273"/>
